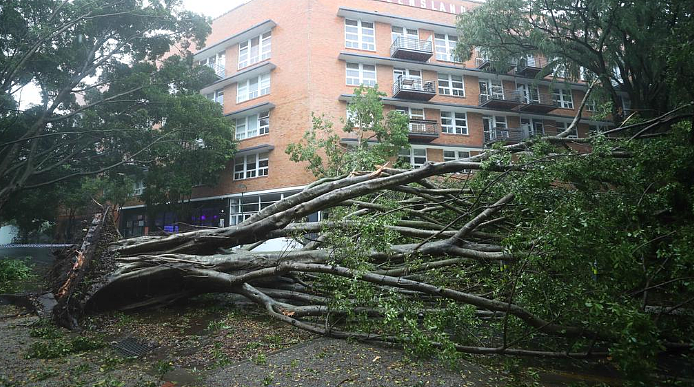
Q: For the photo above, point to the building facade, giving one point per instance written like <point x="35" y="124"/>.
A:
<point x="280" y="60"/>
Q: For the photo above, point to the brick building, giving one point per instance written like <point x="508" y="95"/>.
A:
<point x="280" y="60"/>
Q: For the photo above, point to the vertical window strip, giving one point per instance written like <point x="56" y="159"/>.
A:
<point x="254" y="50"/>
<point x="250" y="166"/>
<point x="445" y="47"/>
<point x="360" y="35"/>
<point x="360" y="74"/>
<point x="451" y="85"/>
<point x="253" y="125"/>
<point x="253" y="88"/>
<point x="563" y="98"/>
<point x="453" y="122"/>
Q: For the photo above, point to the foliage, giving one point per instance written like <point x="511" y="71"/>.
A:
<point x="636" y="46"/>
<point x="379" y="137"/>
<point x="11" y="271"/>
<point x="114" y="103"/>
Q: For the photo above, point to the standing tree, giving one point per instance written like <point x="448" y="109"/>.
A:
<point x="635" y="47"/>
<point x="379" y="138"/>
<point x="109" y="103"/>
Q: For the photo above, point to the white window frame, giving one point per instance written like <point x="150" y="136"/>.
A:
<point x="532" y="126"/>
<point x="417" y="114"/>
<point x="362" y="35"/>
<point x="563" y="98"/>
<point x="246" y="172"/>
<point x="260" y="120"/>
<point x="413" y="155"/>
<point x="454" y="122"/>
<point x="458" y="154"/>
<point x="216" y="62"/>
<point x="445" y="47"/>
<point x="494" y="88"/>
<point x="249" y="56"/>
<point x="361" y="78"/>
<point x="448" y="88"/>
<point x="262" y="87"/>
<point x="216" y="96"/>
<point x="138" y="188"/>
<point x="562" y="126"/>
<point x="529" y="93"/>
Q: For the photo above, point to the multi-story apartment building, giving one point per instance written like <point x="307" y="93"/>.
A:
<point x="280" y="60"/>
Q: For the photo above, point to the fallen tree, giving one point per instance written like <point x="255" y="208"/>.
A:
<point x="548" y="250"/>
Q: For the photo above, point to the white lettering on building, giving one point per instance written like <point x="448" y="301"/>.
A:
<point x="434" y="5"/>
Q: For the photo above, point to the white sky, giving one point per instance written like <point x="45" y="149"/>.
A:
<point x="212" y="8"/>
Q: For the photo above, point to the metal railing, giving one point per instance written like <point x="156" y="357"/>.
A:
<point x="530" y="63"/>
<point x="514" y="96"/>
<point x="424" y="127"/>
<point x="415" y="84"/>
<point x="510" y="135"/>
<point x="537" y="99"/>
<point x="414" y="44"/>
<point x="218" y="69"/>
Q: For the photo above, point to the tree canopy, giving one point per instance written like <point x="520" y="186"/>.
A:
<point x="638" y="47"/>
<point x="113" y="99"/>
<point x="379" y="137"/>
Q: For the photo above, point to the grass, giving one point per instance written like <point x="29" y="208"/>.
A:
<point x="12" y="271"/>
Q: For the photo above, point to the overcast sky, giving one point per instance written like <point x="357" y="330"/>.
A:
<point x="212" y="8"/>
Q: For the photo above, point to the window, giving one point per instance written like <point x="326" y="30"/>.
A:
<point x="591" y="105"/>
<point x="138" y="188"/>
<point x="451" y="85"/>
<point x="453" y="123"/>
<point x="416" y="157"/>
<point x="408" y="38"/>
<point x="445" y="47"/>
<point x="532" y="127"/>
<point x="215" y="62"/>
<point x="562" y="126"/>
<point x="563" y="98"/>
<point x="490" y="89"/>
<point x="253" y="125"/>
<point x="361" y="74"/>
<point x="253" y="88"/>
<point x="494" y="128"/>
<point x="416" y="119"/>
<point x="360" y="35"/>
<point x="594" y="130"/>
<point x="255" y="50"/>
<point x="249" y="166"/>
<point x="217" y="96"/>
<point x="452" y="155"/>
<point x="529" y="94"/>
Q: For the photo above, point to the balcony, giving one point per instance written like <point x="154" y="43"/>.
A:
<point x="482" y="63"/>
<point x="498" y="101"/>
<point x="508" y="135"/>
<point x="537" y="103"/>
<point x="423" y="130"/>
<point x="218" y="69"/>
<point x="530" y="67"/>
<point x="413" y="88"/>
<point x="412" y="49"/>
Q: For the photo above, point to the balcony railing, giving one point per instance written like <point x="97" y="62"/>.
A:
<point x="413" y="88"/>
<point x="412" y="48"/>
<point x="537" y="103"/>
<point x="218" y="69"/>
<point x="509" y="135"/>
<point x="423" y="130"/>
<point x="501" y="101"/>
<point x="530" y="67"/>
